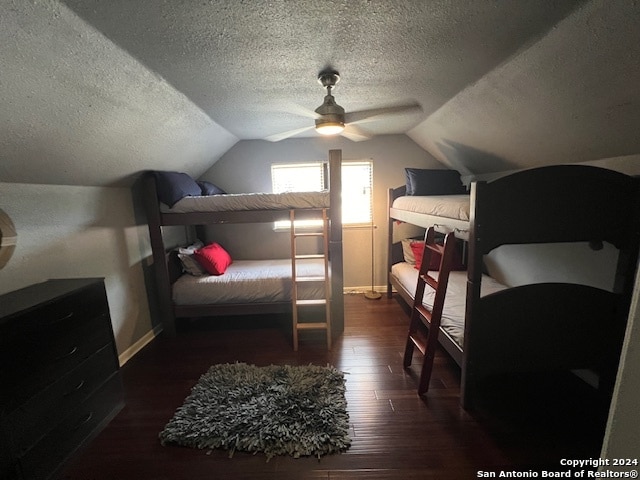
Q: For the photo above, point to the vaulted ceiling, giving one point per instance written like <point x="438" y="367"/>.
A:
<point x="92" y="91"/>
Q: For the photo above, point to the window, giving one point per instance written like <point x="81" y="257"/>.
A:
<point x="357" y="184"/>
<point x="298" y="177"/>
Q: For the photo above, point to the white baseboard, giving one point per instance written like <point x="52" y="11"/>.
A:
<point x="358" y="290"/>
<point x="129" y="353"/>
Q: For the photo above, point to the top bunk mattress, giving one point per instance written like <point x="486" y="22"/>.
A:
<point x="448" y="206"/>
<point x="249" y="201"/>
<point x="447" y="213"/>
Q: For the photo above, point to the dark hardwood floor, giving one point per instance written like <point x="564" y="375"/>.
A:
<point x="524" y="423"/>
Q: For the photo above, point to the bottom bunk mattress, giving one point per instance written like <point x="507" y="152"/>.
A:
<point x="250" y="281"/>
<point x="452" y="322"/>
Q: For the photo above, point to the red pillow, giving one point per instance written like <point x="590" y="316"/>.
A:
<point x="417" y="248"/>
<point x="213" y="258"/>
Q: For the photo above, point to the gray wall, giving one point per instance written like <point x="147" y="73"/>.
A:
<point x="67" y="231"/>
<point x="247" y="168"/>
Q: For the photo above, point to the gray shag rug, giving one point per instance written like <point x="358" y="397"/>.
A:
<point x="278" y="410"/>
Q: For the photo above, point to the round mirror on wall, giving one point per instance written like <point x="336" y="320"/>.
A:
<point x="8" y="238"/>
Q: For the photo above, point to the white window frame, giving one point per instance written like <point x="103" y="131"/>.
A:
<point x="350" y="190"/>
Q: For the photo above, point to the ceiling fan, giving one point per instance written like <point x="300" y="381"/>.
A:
<point x="331" y="118"/>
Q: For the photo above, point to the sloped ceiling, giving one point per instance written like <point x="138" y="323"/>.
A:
<point x="94" y="91"/>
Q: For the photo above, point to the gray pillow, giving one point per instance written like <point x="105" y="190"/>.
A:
<point x="189" y="263"/>
<point x="433" y="182"/>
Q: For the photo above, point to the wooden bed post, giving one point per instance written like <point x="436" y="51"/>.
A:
<point x="392" y="249"/>
<point x="474" y="280"/>
<point x="390" y="198"/>
<point x="160" y="268"/>
<point x="335" y="242"/>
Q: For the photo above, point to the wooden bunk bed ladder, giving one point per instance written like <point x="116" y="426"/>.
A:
<point x="299" y="304"/>
<point x="424" y="324"/>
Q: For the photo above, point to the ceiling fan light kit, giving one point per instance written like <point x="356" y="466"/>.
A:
<point x="330" y="119"/>
<point x="329" y="128"/>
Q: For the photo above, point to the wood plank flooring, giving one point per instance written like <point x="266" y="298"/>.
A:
<point x="523" y="423"/>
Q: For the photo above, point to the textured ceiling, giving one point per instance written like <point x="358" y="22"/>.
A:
<point x="570" y="96"/>
<point x="244" y="62"/>
<point x="93" y="91"/>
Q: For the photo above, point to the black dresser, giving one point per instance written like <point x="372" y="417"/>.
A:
<point x="59" y="377"/>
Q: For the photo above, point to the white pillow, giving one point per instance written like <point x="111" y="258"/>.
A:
<point x="189" y="263"/>
<point x="190" y="250"/>
<point x="407" y="252"/>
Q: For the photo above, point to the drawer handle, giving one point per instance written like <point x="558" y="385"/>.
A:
<point x="68" y="354"/>
<point x="75" y="389"/>
<point x="62" y="319"/>
<point x="87" y="417"/>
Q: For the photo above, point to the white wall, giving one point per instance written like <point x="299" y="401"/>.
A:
<point x="247" y="168"/>
<point x="68" y="231"/>
<point x="622" y="437"/>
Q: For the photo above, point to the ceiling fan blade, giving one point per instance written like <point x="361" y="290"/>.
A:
<point x="355" y="134"/>
<point x="296" y="109"/>
<point x="375" y="114"/>
<point x="290" y="133"/>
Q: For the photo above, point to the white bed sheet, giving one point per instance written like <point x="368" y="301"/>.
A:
<point x="249" y="201"/>
<point x="449" y="206"/>
<point x="455" y="300"/>
<point x="250" y="281"/>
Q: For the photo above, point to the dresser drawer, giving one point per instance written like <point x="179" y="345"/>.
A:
<point x="41" y="413"/>
<point x="9" y="468"/>
<point x="57" y="314"/>
<point x="60" y="379"/>
<point x="33" y="369"/>
<point x="51" y="318"/>
<point x="55" y="447"/>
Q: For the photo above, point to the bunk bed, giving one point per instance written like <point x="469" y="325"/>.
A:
<point x="180" y="295"/>
<point x="539" y="326"/>
<point x="431" y="198"/>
